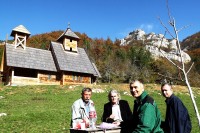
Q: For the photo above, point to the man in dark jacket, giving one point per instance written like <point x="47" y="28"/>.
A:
<point x="147" y="118"/>
<point x="177" y="118"/>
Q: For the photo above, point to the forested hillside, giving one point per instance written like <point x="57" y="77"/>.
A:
<point x="120" y="64"/>
<point x="192" y="42"/>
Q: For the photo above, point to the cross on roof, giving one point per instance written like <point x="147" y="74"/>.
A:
<point x="68" y="24"/>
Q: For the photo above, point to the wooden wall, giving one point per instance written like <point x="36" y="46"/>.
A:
<point x="48" y="78"/>
<point x="76" y="78"/>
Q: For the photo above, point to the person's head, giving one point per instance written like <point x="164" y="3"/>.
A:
<point x="86" y="94"/>
<point x="113" y="96"/>
<point x="136" y="88"/>
<point x="166" y="90"/>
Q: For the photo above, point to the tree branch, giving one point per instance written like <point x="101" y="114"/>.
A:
<point x="168" y="10"/>
<point x="161" y="51"/>
<point x="184" y="27"/>
<point x="166" y="28"/>
<point x="170" y="60"/>
<point x="190" y="68"/>
<point x="170" y="77"/>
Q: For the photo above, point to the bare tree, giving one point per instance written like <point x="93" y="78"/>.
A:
<point x="174" y="34"/>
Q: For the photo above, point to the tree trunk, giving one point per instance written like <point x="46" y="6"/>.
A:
<point x="192" y="97"/>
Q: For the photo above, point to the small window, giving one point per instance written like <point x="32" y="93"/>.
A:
<point x="76" y="77"/>
<point x="81" y="78"/>
<point x="49" y="77"/>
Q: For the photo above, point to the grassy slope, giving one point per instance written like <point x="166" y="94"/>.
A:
<point x="48" y="108"/>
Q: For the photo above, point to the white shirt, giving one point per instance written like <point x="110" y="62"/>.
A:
<point x="116" y="112"/>
<point x="80" y="110"/>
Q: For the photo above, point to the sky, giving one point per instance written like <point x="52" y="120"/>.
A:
<point x="99" y="18"/>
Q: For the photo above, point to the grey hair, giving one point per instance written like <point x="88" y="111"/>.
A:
<point x="86" y="89"/>
<point x="113" y="91"/>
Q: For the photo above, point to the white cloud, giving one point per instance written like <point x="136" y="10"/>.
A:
<point x="125" y="32"/>
<point x="146" y="27"/>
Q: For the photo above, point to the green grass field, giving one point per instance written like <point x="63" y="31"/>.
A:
<point x="42" y="109"/>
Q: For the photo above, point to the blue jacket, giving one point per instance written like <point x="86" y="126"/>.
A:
<point x="177" y="118"/>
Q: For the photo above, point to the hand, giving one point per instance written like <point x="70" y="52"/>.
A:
<point x="86" y="123"/>
<point x="117" y="123"/>
<point x="112" y="116"/>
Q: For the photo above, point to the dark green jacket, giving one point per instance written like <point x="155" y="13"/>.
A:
<point x="147" y="118"/>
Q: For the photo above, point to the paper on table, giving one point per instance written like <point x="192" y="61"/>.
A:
<point x="105" y="125"/>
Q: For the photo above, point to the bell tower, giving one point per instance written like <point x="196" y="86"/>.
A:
<point x="20" y="34"/>
<point x="69" y="40"/>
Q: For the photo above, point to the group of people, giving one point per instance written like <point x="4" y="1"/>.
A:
<point x="145" y="118"/>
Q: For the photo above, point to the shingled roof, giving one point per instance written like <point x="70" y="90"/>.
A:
<point x="20" y="29"/>
<point x="68" y="33"/>
<point x="31" y="58"/>
<point x="74" y="62"/>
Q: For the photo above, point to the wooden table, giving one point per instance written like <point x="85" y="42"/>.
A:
<point x="97" y="130"/>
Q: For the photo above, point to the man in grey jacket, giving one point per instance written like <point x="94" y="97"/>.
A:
<point x="81" y="108"/>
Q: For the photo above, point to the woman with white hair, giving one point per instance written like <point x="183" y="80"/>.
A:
<point x="117" y="111"/>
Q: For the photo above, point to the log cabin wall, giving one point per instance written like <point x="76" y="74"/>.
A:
<point x="6" y="71"/>
<point x="6" y="75"/>
<point x="76" y="78"/>
<point x="17" y="80"/>
<point x="50" y="78"/>
<point x="23" y="76"/>
<point x="19" y="77"/>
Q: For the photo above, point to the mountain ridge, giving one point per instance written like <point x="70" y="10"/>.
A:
<point x="155" y="43"/>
